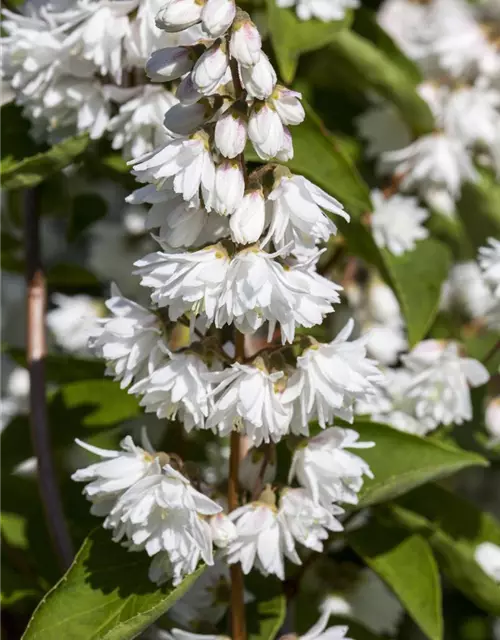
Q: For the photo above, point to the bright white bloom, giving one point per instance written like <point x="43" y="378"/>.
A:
<point x="178" y="634"/>
<point x="487" y="555"/>
<point x="265" y="130"/>
<point x="385" y="343"/>
<point x="16" y="399"/>
<point x="327" y="470"/>
<point x="210" y="69"/>
<point x="382" y="304"/>
<point x="73" y="321"/>
<point x="223" y="530"/>
<point x="489" y="261"/>
<point x="332" y="377"/>
<point x="492" y="419"/>
<point x="383" y="129"/>
<point x="183" y="165"/>
<point x="440" y="386"/>
<point x="231" y="134"/>
<point x="397" y="222"/>
<point x="408" y="23"/>
<point x="217" y="16"/>
<point x="319" y="631"/>
<point x="169" y="63"/>
<point x="129" y="340"/>
<point x="176" y="15"/>
<point x="249" y="399"/>
<point x="306" y="521"/>
<point x="245" y="44"/>
<point x="324" y="10"/>
<point x="471" y="114"/>
<point x="250" y="470"/>
<point x="248" y="221"/>
<point x="116" y="473"/>
<point x="259" y="80"/>
<point x="434" y="160"/>
<point x="288" y="106"/>
<point x="229" y="186"/>
<point x="297" y="212"/>
<point x="177" y="387"/>
<point x="468" y="289"/>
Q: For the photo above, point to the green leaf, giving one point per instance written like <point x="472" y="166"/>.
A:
<point x="453" y="527"/>
<point x="400" y="461"/>
<point x="479" y="208"/>
<point x="266" y="614"/>
<point x="15" y="137"/>
<point x="407" y="565"/>
<point x="68" y="277"/>
<point x="417" y="277"/>
<point x="105" y="595"/>
<point x="87" y="208"/>
<point x="32" y="170"/>
<point x="362" y="66"/>
<point x="291" y="36"/>
<point x="61" y="368"/>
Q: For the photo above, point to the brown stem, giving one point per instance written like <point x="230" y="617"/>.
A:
<point x="35" y="356"/>
<point x="238" y="622"/>
<point x="259" y="485"/>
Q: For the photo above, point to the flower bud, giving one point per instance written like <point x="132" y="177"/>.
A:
<point x="252" y="465"/>
<point x="169" y="63"/>
<point x="223" y="530"/>
<point x="246" y="44"/>
<point x="287" y="104"/>
<point x="177" y="15"/>
<point x="210" y="69"/>
<point x="286" y="152"/>
<point x="248" y="221"/>
<point x="231" y="134"/>
<point x="259" y="80"/>
<point x="383" y="305"/>
<point x="492" y="419"/>
<point x="265" y="130"/>
<point x="217" y="16"/>
<point x="187" y="92"/>
<point x="229" y="187"/>
<point x="183" y="119"/>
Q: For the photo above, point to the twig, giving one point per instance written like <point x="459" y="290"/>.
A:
<point x="238" y="622"/>
<point x="35" y="356"/>
<point x="259" y="485"/>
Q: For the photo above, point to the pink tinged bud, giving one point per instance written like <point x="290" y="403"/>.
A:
<point x="184" y="119"/>
<point x="259" y="80"/>
<point x="287" y="104"/>
<point x="169" y="64"/>
<point x="248" y="221"/>
<point x="177" y="15"/>
<point x="229" y="187"/>
<point x="217" y="16"/>
<point x="246" y="44"/>
<point x="187" y="92"/>
<point x="210" y="69"/>
<point x="265" y="130"/>
<point x="231" y="134"/>
<point x="286" y="152"/>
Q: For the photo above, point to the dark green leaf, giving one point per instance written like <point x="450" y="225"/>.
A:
<point x="68" y="277"/>
<point x="479" y="209"/>
<point x="87" y="208"/>
<point x="400" y="461"/>
<point x="454" y="528"/>
<point x="105" y="595"/>
<point x="16" y="140"/>
<point x="406" y="563"/>
<point x="266" y="614"/>
<point x="61" y="368"/>
<point x="291" y="36"/>
<point x="32" y="170"/>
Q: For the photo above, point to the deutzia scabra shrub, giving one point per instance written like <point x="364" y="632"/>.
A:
<point x="279" y="345"/>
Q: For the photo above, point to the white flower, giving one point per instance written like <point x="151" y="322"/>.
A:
<point x="327" y="470"/>
<point x="248" y="398"/>
<point x="177" y="387"/>
<point x="177" y="15"/>
<point x="288" y="106"/>
<point x="432" y="160"/>
<point x="223" y="530"/>
<point x="471" y="114"/>
<point x="397" y="222"/>
<point x="440" y="386"/>
<point x="259" y="540"/>
<point x="385" y="343"/>
<point x="333" y="376"/>
<point x="17" y="395"/>
<point x="265" y="130"/>
<point x="128" y="340"/>
<point x="229" y="186"/>
<point x="305" y="520"/>
<point x="119" y="471"/>
<point x="492" y="419"/>
<point x="217" y="16"/>
<point x="248" y="221"/>
<point x="487" y="555"/>
<point x="245" y="44"/>
<point x="382" y="305"/>
<point x="296" y="214"/>
<point x="259" y="79"/>
<point x="319" y="631"/>
<point x="324" y="10"/>
<point x="169" y="63"/>
<point x="210" y="69"/>
<point x="178" y="634"/>
<point x="183" y="119"/>
<point x="489" y="261"/>
<point x="231" y="134"/>
<point x="383" y="128"/>
<point x="73" y="321"/>
<point x="183" y="164"/>
<point x="250" y="470"/>
<point x="468" y="289"/>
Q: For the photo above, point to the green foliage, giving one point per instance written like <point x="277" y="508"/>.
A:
<point x="87" y="208"/>
<point x="71" y="277"/>
<point x="406" y="563"/>
<point x="401" y="462"/>
<point x="479" y="209"/>
<point x="266" y="614"/>
<point x="105" y="595"/>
